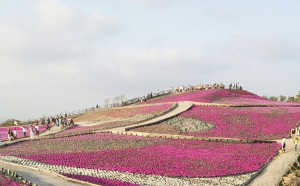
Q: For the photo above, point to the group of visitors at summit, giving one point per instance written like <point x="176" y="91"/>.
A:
<point x="198" y="87"/>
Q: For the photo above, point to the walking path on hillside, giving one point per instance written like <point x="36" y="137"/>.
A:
<point x="182" y="106"/>
<point x="278" y="166"/>
<point x="53" y="130"/>
<point x="37" y="177"/>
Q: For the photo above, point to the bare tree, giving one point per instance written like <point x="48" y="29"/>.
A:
<point x="122" y="97"/>
<point x="115" y="100"/>
<point x="106" y="101"/>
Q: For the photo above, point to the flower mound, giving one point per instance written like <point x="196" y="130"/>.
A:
<point x="246" y="122"/>
<point x="208" y="96"/>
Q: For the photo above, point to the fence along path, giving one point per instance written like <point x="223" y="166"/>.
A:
<point x="279" y="165"/>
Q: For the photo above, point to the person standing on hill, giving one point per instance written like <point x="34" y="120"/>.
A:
<point x="24" y="131"/>
<point x="10" y="135"/>
<point x="31" y="131"/>
<point x="293" y="132"/>
<point x="283" y="144"/>
<point x="37" y="130"/>
<point x="15" y="133"/>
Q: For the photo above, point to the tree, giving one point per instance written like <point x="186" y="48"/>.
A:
<point x="122" y="97"/>
<point x="282" y="98"/>
<point x="266" y="97"/>
<point x="297" y="97"/>
<point x="273" y="98"/>
<point x="291" y="99"/>
<point x="106" y="101"/>
<point x="10" y="122"/>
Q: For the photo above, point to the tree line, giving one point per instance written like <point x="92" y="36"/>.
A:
<point x="295" y="98"/>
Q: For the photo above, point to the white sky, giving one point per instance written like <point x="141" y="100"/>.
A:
<point x="58" y="55"/>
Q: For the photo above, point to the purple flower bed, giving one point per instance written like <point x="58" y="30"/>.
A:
<point x="186" y="158"/>
<point x="100" y="181"/>
<point x="207" y="96"/>
<point x="246" y="122"/>
<point x="3" y="131"/>
<point x="5" y="181"/>
<point x="80" y="143"/>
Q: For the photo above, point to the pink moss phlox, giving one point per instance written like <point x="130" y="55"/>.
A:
<point x="246" y="122"/>
<point x="171" y="158"/>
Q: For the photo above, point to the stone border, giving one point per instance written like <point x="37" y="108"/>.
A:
<point x="52" y="173"/>
<point x="212" y="139"/>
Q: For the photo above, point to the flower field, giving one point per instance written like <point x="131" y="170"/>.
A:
<point x="176" y="125"/>
<point x="246" y="122"/>
<point x="178" y="158"/>
<point x="83" y="153"/>
<point x="231" y="122"/>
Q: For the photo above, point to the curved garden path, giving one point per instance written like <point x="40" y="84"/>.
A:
<point x="182" y="106"/>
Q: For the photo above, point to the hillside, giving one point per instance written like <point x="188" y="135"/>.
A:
<point x="220" y="96"/>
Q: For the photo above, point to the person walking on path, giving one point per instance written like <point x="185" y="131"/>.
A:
<point x="10" y="135"/>
<point x="293" y="132"/>
<point x="37" y="130"/>
<point x="283" y="145"/>
<point x="24" y="131"/>
<point x="31" y="131"/>
<point x="15" y="133"/>
<point x="296" y="143"/>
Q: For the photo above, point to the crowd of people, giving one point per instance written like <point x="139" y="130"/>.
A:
<point x="198" y="87"/>
<point x="34" y="128"/>
<point x="295" y="135"/>
<point x="235" y="86"/>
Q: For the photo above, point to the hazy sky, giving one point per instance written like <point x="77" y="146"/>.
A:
<point x="58" y="55"/>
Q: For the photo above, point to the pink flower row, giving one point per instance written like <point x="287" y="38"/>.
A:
<point x="246" y="122"/>
<point x="186" y="158"/>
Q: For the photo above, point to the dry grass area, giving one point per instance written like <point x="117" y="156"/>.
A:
<point x="117" y="114"/>
<point x="159" y="129"/>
